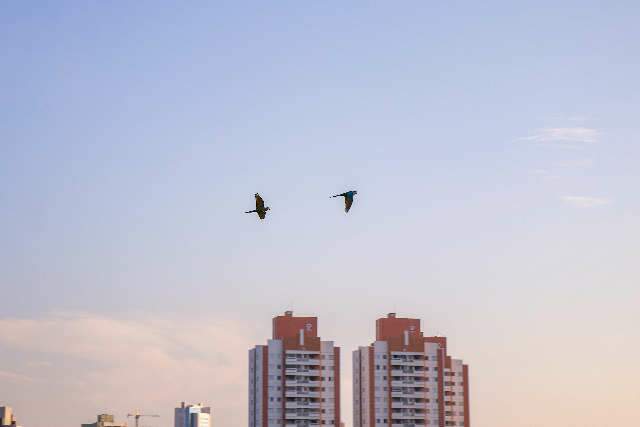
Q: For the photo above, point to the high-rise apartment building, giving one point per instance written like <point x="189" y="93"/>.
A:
<point x="406" y="379"/>
<point x="294" y="380"/>
<point x="192" y="416"/>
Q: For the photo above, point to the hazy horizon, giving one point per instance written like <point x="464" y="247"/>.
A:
<point x="494" y="148"/>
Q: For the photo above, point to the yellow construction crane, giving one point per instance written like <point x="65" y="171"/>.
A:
<point x="137" y="416"/>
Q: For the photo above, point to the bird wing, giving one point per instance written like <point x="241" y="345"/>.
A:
<point x="341" y="194"/>
<point x="262" y="214"/>
<point x="259" y="203"/>
<point x="348" y="201"/>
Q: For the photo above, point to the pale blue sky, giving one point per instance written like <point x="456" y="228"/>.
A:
<point x="494" y="147"/>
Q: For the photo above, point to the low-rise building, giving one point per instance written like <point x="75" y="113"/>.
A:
<point x="192" y="416"/>
<point x="105" y="420"/>
<point x="7" y="419"/>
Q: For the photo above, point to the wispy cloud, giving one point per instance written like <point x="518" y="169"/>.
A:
<point x="585" y="201"/>
<point x="564" y="135"/>
<point x="15" y="377"/>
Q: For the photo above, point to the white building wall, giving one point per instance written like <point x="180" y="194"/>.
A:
<point x="202" y="420"/>
<point x="431" y="363"/>
<point x="328" y="382"/>
<point x="456" y="400"/>
<point x="362" y="385"/>
<point x="255" y="386"/>
<point x="381" y="383"/>
<point x="275" y="393"/>
<point x="357" y="387"/>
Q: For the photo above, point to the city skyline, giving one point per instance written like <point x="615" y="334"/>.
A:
<point x="290" y="331"/>
<point x="493" y="146"/>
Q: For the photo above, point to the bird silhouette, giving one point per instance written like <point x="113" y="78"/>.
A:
<point x="348" y="199"/>
<point x="260" y="209"/>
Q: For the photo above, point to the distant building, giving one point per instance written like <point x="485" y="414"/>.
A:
<point x="105" y="420"/>
<point x="6" y="417"/>
<point x="407" y="379"/>
<point x="192" y="416"/>
<point x="294" y="380"/>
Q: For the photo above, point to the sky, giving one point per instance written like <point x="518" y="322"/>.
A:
<point x="494" y="146"/>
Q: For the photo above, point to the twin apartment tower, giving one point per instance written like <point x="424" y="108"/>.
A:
<point x="403" y="379"/>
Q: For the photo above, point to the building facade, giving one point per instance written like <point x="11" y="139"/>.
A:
<point x="6" y="417"/>
<point x="192" y="416"/>
<point x="406" y="379"/>
<point x="294" y="380"/>
<point x="105" y="420"/>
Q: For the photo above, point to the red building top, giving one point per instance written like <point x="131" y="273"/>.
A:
<point x="404" y="334"/>
<point x="393" y="327"/>
<point x="297" y="333"/>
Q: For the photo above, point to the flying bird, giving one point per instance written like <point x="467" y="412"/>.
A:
<point x="260" y="209"/>
<point x="348" y="199"/>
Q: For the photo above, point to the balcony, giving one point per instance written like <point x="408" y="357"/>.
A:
<point x="410" y="393"/>
<point x="302" y="383"/>
<point x="300" y="423"/>
<point x="301" y="405"/>
<point x="409" y="424"/>
<point x="409" y="416"/>
<point x="300" y="393"/>
<point x="406" y="362"/>
<point x="406" y="383"/>
<point x="301" y="361"/>
<point x="303" y="416"/>
<point x="410" y="373"/>
<point x="302" y="371"/>
<point x="408" y="405"/>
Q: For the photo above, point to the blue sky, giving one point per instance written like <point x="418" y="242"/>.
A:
<point x="493" y="145"/>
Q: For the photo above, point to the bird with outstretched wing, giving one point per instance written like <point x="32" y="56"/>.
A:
<point x="348" y="199"/>
<point x="260" y="209"/>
